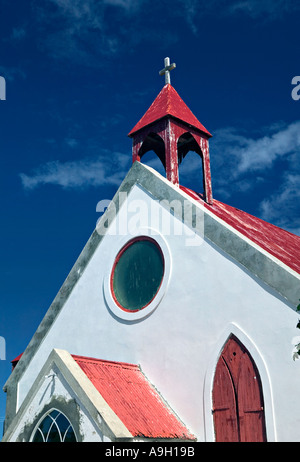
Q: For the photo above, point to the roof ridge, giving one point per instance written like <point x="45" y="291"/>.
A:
<point x="89" y="359"/>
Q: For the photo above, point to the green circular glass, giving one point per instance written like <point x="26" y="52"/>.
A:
<point x="137" y="274"/>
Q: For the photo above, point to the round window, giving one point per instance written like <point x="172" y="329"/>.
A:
<point x="137" y="274"/>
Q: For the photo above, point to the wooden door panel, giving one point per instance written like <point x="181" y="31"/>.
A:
<point x="251" y="408"/>
<point x="252" y="427"/>
<point x="224" y="405"/>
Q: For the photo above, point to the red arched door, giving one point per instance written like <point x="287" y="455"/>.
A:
<point x="237" y="396"/>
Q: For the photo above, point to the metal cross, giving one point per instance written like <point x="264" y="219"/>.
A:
<point x="166" y="71"/>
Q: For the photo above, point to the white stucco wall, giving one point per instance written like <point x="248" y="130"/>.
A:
<point x="207" y="297"/>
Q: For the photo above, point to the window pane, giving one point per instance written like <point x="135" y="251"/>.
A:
<point x="54" y="413"/>
<point x="70" y="436"/>
<point x="38" y="437"/>
<point x="62" y="423"/>
<point x="53" y="435"/>
<point x="138" y="274"/>
<point x="45" y="425"/>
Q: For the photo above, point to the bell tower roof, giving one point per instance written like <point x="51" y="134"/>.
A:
<point x="170" y="130"/>
<point x="168" y="103"/>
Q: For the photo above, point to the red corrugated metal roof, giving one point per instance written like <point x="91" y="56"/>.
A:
<point x="133" y="399"/>
<point x="15" y="361"/>
<point x="168" y="102"/>
<point x="280" y="243"/>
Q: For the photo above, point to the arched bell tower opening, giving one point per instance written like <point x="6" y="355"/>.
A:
<point x="190" y="162"/>
<point x="151" y="159"/>
<point x="153" y="143"/>
<point x="186" y="143"/>
<point x="171" y="130"/>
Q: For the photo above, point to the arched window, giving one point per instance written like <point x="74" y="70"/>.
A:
<point x="54" y="428"/>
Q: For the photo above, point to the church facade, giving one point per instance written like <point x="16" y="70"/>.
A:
<point x="178" y="320"/>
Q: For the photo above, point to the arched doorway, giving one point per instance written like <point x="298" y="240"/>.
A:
<point x="238" y="407"/>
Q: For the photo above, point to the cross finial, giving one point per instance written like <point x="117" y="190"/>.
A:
<point x="166" y="70"/>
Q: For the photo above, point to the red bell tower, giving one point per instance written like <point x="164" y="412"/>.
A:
<point x="171" y="130"/>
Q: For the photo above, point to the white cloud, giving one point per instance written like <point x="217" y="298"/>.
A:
<point x="82" y="30"/>
<point x="263" y="152"/>
<point x="190" y="10"/>
<point x="268" y="9"/>
<point x="241" y="163"/>
<point x="282" y="207"/>
<point x="265" y="10"/>
<point x="90" y="172"/>
<point x="70" y="28"/>
<point x="243" y="154"/>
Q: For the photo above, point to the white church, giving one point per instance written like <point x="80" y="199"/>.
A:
<point x="177" y="322"/>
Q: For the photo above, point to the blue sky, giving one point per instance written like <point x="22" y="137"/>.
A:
<point x="80" y="74"/>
